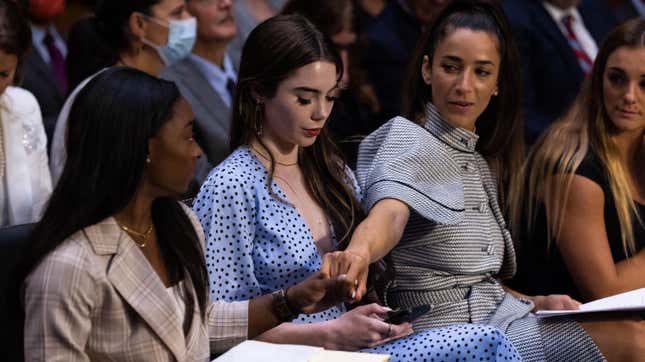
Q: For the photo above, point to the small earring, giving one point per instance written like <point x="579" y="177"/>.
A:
<point x="258" y="119"/>
<point x="495" y="93"/>
<point x="148" y="160"/>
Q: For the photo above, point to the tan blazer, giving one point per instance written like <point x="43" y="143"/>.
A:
<point x="96" y="297"/>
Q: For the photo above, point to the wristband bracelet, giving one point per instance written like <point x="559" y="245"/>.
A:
<point x="281" y="306"/>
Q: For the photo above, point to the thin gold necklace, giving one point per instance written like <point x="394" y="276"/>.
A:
<point x="269" y="159"/>
<point x="142" y="236"/>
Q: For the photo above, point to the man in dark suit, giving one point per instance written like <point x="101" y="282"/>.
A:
<point x="207" y="80"/>
<point x="558" y="40"/>
<point x="44" y="68"/>
<point x="391" y="36"/>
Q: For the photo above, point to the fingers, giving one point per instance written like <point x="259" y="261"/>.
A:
<point x="556" y="302"/>
<point x="358" y="273"/>
<point x="389" y="339"/>
<point x="568" y="302"/>
<point x="373" y="308"/>
<point x="389" y="332"/>
<point x="400" y="330"/>
<point x="325" y="268"/>
<point x="346" y="287"/>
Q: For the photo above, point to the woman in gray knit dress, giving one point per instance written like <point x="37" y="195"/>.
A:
<point x="431" y="184"/>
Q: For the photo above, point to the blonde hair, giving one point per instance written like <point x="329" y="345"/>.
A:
<point x="550" y="168"/>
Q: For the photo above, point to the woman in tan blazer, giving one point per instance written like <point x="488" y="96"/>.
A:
<point x="115" y="270"/>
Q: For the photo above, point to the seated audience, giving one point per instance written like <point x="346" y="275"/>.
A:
<point x="356" y="112"/>
<point x="390" y="37"/>
<point x="284" y="198"/>
<point x="44" y="71"/>
<point x="580" y="215"/>
<point x="207" y="80"/>
<point x="558" y="44"/>
<point x="248" y="14"/>
<point x="25" y="182"/>
<point x="142" y="34"/>
<point x="435" y="183"/>
<point x="627" y="9"/>
<point x="115" y="270"/>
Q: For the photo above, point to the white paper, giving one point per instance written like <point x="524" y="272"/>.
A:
<point x="267" y="352"/>
<point x="625" y="302"/>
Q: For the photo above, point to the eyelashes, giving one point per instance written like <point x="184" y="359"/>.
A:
<point x="304" y="101"/>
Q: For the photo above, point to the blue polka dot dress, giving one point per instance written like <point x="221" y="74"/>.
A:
<point x="256" y="244"/>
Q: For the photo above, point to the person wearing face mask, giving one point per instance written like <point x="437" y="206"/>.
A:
<point x="207" y="79"/>
<point x="44" y="68"/>
<point x="143" y="34"/>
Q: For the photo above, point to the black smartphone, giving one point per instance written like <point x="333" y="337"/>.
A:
<point x="399" y="316"/>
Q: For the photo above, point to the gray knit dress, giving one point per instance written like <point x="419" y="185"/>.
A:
<point x="455" y="248"/>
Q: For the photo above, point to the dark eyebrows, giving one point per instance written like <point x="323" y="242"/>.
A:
<point x="306" y="89"/>
<point x="314" y="90"/>
<point x="459" y="60"/>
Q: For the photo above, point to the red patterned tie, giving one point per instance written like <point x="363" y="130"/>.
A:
<point x="583" y="59"/>
<point x="57" y="62"/>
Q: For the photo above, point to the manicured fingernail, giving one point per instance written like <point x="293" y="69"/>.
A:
<point x="353" y="294"/>
<point x="355" y="282"/>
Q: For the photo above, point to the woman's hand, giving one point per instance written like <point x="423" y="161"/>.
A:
<point x="554" y="302"/>
<point x="363" y="327"/>
<point x="352" y="267"/>
<point x="319" y="292"/>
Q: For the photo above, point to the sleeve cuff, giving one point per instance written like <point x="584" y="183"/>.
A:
<point x="228" y="324"/>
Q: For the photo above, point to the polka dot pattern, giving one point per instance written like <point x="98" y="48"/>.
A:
<point x="256" y="244"/>
<point x="470" y="342"/>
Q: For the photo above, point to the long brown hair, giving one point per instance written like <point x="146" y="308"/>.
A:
<point x="551" y="166"/>
<point x="500" y="126"/>
<point x="272" y="52"/>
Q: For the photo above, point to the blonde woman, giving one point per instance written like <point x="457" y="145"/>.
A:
<point x="582" y="215"/>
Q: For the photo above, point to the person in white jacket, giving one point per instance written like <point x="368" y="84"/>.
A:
<point x="25" y="181"/>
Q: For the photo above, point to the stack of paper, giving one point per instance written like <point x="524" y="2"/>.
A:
<point x="270" y="352"/>
<point x="625" y="302"/>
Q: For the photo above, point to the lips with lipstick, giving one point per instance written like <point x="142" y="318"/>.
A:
<point x="312" y="132"/>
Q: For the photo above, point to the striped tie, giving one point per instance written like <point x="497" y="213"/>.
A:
<point x="583" y="59"/>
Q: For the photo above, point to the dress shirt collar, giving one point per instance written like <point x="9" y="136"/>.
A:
<point x="38" y="37"/>
<point x="557" y="14"/>
<point x="217" y="77"/>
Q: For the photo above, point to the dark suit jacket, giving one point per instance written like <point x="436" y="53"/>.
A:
<point x="39" y="80"/>
<point x="212" y="115"/>
<point x="390" y="41"/>
<point x="550" y="70"/>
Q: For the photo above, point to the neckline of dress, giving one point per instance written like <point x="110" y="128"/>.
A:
<point x="455" y="137"/>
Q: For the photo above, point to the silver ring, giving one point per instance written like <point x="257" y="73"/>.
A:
<point x="389" y="329"/>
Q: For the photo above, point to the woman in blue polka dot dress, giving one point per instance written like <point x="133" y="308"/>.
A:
<point x="284" y="198"/>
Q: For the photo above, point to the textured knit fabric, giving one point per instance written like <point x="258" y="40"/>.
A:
<point x="455" y="248"/>
<point x="257" y="244"/>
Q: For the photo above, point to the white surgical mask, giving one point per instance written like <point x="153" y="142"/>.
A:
<point x="181" y="38"/>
